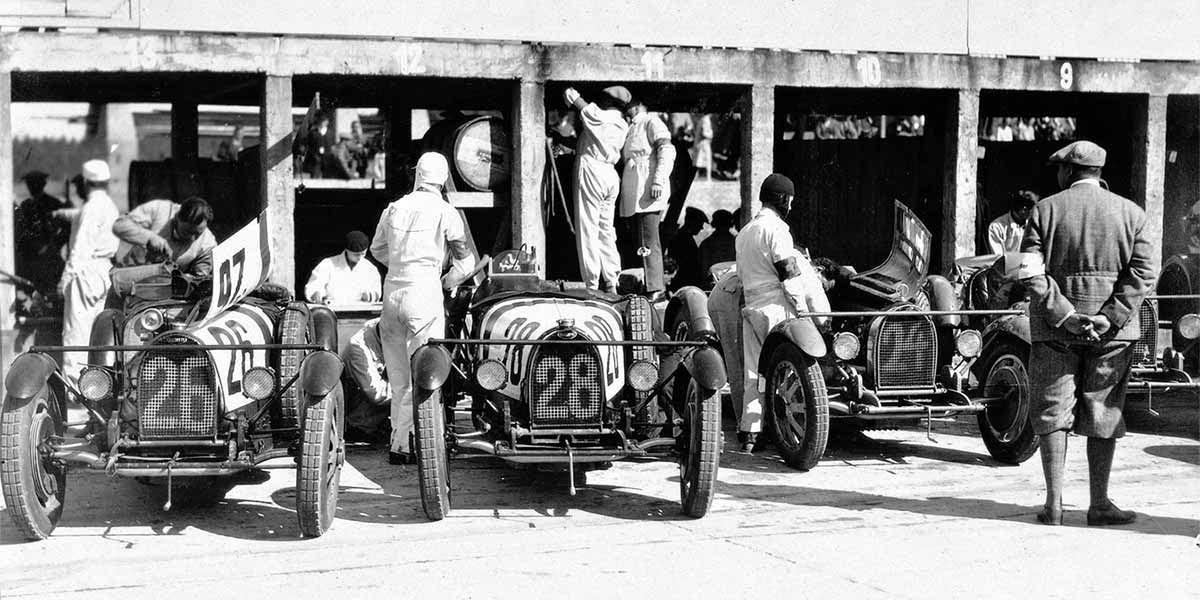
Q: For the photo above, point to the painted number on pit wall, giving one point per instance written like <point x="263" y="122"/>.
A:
<point x="409" y="59"/>
<point x="654" y="64"/>
<point x="870" y="72"/>
<point x="1066" y="76"/>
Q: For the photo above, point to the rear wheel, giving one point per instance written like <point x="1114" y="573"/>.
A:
<point x="433" y="465"/>
<point x="1004" y="425"/>
<point x="797" y="406"/>
<point x="34" y="484"/>
<point x="322" y="454"/>
<point x="699" y="464"/>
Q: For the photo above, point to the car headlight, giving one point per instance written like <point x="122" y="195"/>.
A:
<point x="258" y="383"/>
<point x="491" y="374"/>
<point x="846" y="345"/>
<point x="95" y="383"/>
<point x="1188" y="326"/>
<point x="643" y="375"/>
<point x="152" y="319"/>
<point x="968" y="342"/>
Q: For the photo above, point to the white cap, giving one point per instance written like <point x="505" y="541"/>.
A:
<point x="432" y="168"/>
<point x="96" y="170"/>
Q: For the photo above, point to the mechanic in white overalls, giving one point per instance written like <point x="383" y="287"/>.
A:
<point x="412" y="238"/>
<point x="601" y="137"/>
<point x="778" y="283"/>
<point x="84" y="284"/>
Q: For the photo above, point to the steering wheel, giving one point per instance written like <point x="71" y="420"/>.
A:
<point x="482" y="264"/>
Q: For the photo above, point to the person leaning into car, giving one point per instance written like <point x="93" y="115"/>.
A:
<point x="1098" y="265"/>
<point x="412" y="239"/>
<point x="162" y="230"/>
<point x="778" y="283"/>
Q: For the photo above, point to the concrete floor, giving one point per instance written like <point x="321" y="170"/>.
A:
<point x="891" y="515"/>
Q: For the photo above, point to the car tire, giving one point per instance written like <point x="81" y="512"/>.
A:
<point x="433" y="465"/>
<point x="639" y="327"/>
<point x="322" y="454"/>
<point x="699" y="464"/>
<point x="293" y="329"/>
<point x="1005" y="425"/>
<point x="34" y="486"/>
<point x="798" y="425"/>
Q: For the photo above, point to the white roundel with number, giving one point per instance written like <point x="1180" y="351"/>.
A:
<point x="532" y="318"/>
<point x="243" y="324"/>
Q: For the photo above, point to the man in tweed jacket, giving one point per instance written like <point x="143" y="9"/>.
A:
<point x="1083" y="321"/>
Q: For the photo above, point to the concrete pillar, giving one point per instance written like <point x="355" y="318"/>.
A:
<point x="758" y="145"/>
<point x="961" y="143"/>
<point x="118" y="145"/>
<point x="7" y="236"/>
<point x="1149" y="161"/>
<point x="398" y="137"/>
<point x="278" y="195"/>
<point x="185" y="131"/>
<point x="529" y="164"/>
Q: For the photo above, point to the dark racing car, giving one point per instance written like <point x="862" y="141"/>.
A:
<point x="181" y="383"/>
<point x="553" y="373"/>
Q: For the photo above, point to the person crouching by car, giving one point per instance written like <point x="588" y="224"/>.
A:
<point x="161" y="230"/>
<point x="367" y="398"/>
<point x="345" y="278"/>
<point x="412" y="238"/>
<point x="84" y="283"/>
<point x="778" y="283"/>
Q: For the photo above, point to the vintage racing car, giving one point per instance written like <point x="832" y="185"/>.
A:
<point x="182" y="384"/>
<point x="552" y="372"/>
<point x="898" y="349"/>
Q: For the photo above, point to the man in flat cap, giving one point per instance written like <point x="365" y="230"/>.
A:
<point x="601" y="137"/>
<point x="346" y="277"/>
<point x="778" y="283"/>
<point x="39" y="237"/>
<point x="1083" y="318"/>
<point x="84" y="283"/>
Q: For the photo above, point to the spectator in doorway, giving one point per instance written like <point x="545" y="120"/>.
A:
<point x="1006" y="232"/>
<point x="228" y="149"/>
<point x="341" y="163"/>
<point x="347" y="277"/>
<point x="318" y="149"/>
<point x="702" y="145"/>
<point x="39" y="237"/>
<point x="1004" y="131"/>
<point x="718" y="247"/>
<point x="685" y="252"/>
<point x="1025" y="131"/>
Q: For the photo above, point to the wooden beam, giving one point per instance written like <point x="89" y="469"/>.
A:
<point x="529" y="165"/>
<point x="278" y="195"/>
<point x="7" y="234"/>
<point x="1149" y="161"/>
<point x="185" y="131"/>
<point x="758" y="145"/>
<point x="960" y="129"/>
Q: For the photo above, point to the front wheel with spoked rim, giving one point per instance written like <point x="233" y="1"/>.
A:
<point x="35" y="484"/>
<point x="796" y="406"/>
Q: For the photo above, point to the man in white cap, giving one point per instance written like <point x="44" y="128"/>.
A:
<point x="597" y="184"/>
<point x="412" y="238"/>
<point x="84" y="283"/>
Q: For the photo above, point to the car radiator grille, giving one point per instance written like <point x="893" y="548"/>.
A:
<point x="176" y="393"/>
<point x="1145" y="350"/>
<point x="566" y="388"/>
<point x="905" y="353"/>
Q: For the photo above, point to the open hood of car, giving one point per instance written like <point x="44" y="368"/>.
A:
<point x="899" y="277"/>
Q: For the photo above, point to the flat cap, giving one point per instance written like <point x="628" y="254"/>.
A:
<point x="776" y="183"/>
<point x="694" y="214"/>
<point x="1082" y="153"/>
<point x="35" y="175"/>
<point x="619" y="93"/>
<point x="96" y="170"/>
<point x="357" y="241"/>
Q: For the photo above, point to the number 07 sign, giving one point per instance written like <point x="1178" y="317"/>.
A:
<point x="241" y="263"/>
